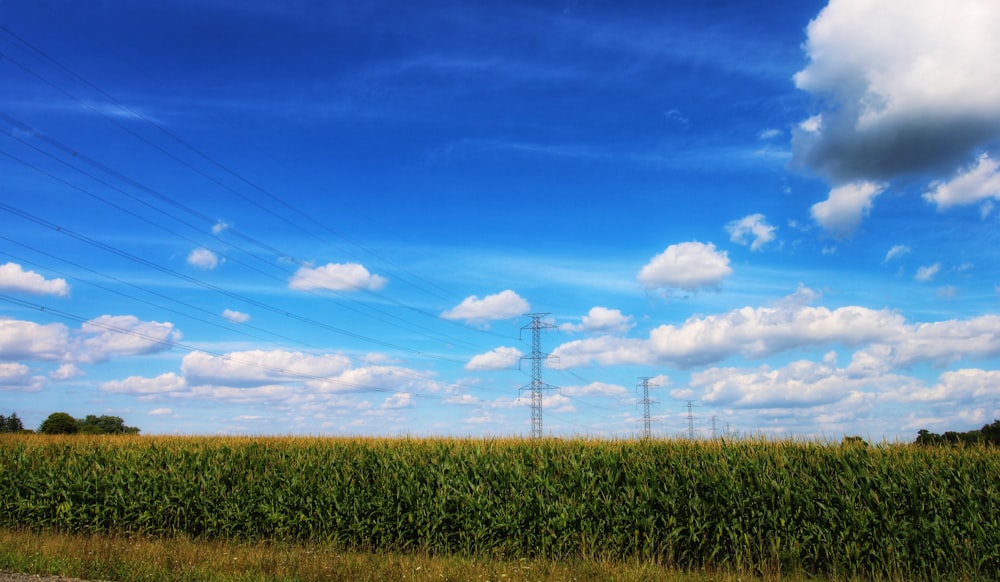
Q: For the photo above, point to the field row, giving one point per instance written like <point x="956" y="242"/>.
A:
<point x="743" y="506"/>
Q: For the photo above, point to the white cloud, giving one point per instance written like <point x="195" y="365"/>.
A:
<point x="754" y="227"/>
<point x="164" y="384"/>
<point x="14" y="278"/>
<point x="202" y="258"/>
<point x="397" y="401"/>
<point x="595" y="389"/>
<point x="97" y="340"/>
<point x="236" y="316"/>
<point x="17" y="377"/>
<point x="378" y="378"/>
<point x="498" y="359"/>
<point x="750" y="332"/>
<point x="27" y="340"/>
<point x="462" y="399"/>
<point x="260" y="367"/>
<point x="975" y="184"/>
<point x="895" y="106"/>
<point x="160" y="412"/>
<point x="66" y="372"/>
<point x="841" y="213"/>
<point x="601" y="320"/>
<point x="123" y="335"/>
<point x="503" y="305"/>
<point x="220" y="226"/>
<point x="688" y="266"/>
<point x="927" y="272"/>
<point x="895" y="252"/>
<point x="812" y="125"/>
<point x="336" y="277"/>
<point x="885" y="340"/>
<point x="940" y="343"/>
<point x="769" y="134"/>
<point x="267" y="393"/>
<point x="800" y="383"/>
<point x="957" y="387"/>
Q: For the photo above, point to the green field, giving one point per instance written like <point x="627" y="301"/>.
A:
<point x="753" y="507"/>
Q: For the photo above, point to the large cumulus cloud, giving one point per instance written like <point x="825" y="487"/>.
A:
<point x="904" y="87"/>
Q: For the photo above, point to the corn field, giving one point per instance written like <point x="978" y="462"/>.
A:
<point x="896" y="511"/>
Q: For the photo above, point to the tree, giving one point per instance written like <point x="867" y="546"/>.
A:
<point x="59" y="423"/>
<point x="105" y="425"/>
<point x="989" y="434"/>
<point x="10" y="423"/>
<point x="14" y="424"/>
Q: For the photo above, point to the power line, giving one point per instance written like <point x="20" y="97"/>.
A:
<point x="160" y="196"/>
<point x="249" y="300"/>
<point x="205" y="156"/>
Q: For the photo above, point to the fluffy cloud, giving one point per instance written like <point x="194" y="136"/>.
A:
<point x="967" y="386"/>
<point x="974" y="184"/>
<point x="123" y="335"/>
<point x="895" y="107"/>
<point x="595" y="389"/>
<point x="235" y="316"/>
<point x="503" y="305"/>
<point x="27" y="340"/>
<point x="202" y="258"/>
<point x="97" y="340"/>
<point x="66" y="372"/>
<point x="751" y="230"/>
<point x="260" y="367"/>
<point x="688" y="266"/>
<point x="750" y="332"/>
<point x="601" y="320"/>
<point x="164" y="384"/>
<point x="17" y="377"/>
<point x="801" y="383"/>
<point x="378" y="378"/>
<point x="336" y="277"/>
<point x="397" y="401"/>
<point x="14" y="278"/>
<point x="941" y="343"/>
<point x="841" y="213"/>
<point x="499" y="359"/>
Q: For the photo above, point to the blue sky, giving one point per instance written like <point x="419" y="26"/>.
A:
<point x="332" y="218"/>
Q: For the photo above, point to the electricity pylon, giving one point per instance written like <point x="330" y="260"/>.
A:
<point x="645" y="385"/>
<point x="537" y="359"/>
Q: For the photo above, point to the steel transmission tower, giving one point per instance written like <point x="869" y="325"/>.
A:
<point x="646" y="422"/>
<point x="537" y="359"/>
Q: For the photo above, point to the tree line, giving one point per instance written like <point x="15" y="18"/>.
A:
<point x="989" y="434"/>
<point x="64" y="423"/>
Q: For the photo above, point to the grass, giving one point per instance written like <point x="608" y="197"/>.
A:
<point x="102" y="557"/>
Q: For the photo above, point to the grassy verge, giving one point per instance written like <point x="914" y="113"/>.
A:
<point x="96" y="557"/>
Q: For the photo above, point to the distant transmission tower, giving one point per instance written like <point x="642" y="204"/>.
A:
<point x="645" y="385"/>
<point x="690" y="405"/>
<point x="537" y="358"/>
